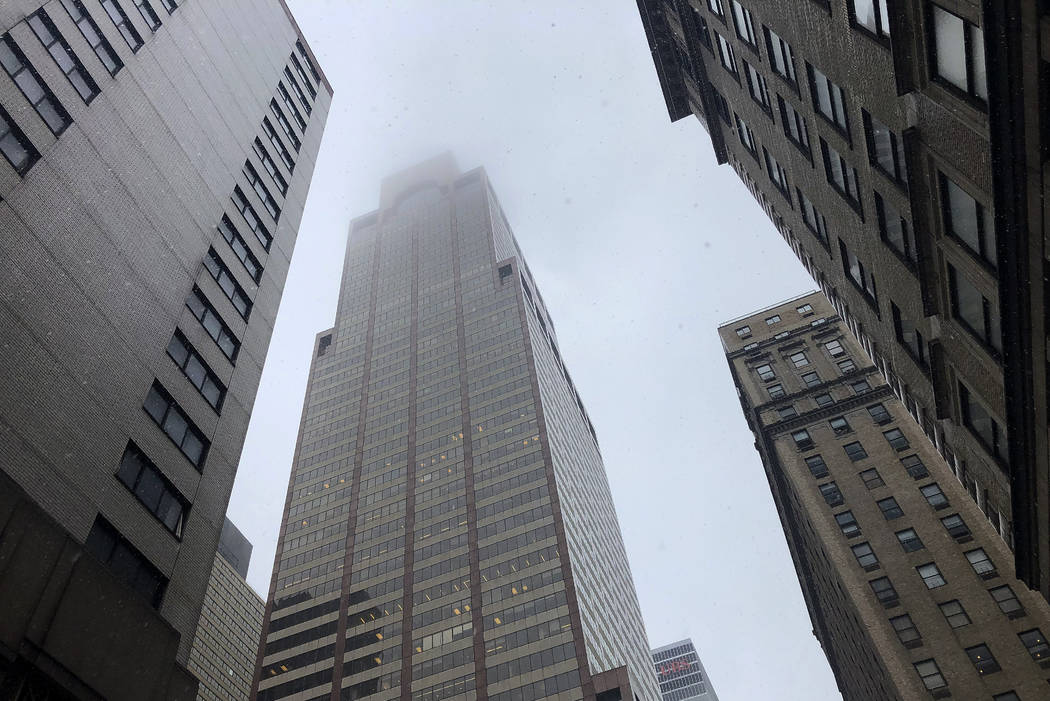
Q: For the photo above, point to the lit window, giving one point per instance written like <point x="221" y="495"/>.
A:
<point x="931" y="576"/>
<point x="1034" y="641"/>
<point x="959" y="53"/>
<point x="909" y="540"/>
<point x="955" y="613"/>
<point x="982" y="659"/>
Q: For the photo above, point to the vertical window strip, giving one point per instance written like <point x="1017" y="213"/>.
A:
<point x="298" y="90"/>
<point x="213" y="324"/>
<point x="229" y="286"/>
<point x="153" y="490"/>
<point x="240" y="248"/>
<point x="271" y="166"/>
<point x="260" y="189"/>
<point x="148" y="14"/>
<point x="15" y="146"/>
<point x="196" y="370"/>
<point x="33" y="87"/>
<point x="63" y="55"/>
<point x="302" y="75"/>
<point x="309" y="63"/>
<point x="251" y="218"/>
<point x="93" y="35"/>
<point x="278" y="145"/>
<point x="122" y="23"/>
<point x="171" y="419"/>
<point x="285" y="124"/>
<point x="287" y="100"/>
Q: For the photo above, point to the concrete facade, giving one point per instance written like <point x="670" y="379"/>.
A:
<point x="138" y="297"/>
<point x="904" y="576"/>
<point x="449" y="530"/>
<point x="900" y="155"/>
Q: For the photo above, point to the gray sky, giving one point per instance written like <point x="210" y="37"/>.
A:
<point x="641" y="245"/>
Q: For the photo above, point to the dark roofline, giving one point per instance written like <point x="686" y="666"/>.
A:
<point x="658" y="35"/>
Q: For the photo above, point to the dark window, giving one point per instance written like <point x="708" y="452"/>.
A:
<point x="213" y="324"/>
<point x="1006" y="696"/>
<point x="799" y="359"/>
<point x="816" y="466"/>
<point x="829" y="100"/>
<point x="872" y="479"/>
<point x="302" y="75"/>
<point x="298" y="90"/>
<point x="776" y="391"/>
<point x="770" y="320"/>
<point x="958" y="53"/>
<point x="977" y="419"/>
<point x="895" y="231"/>
<point x="125" y="561"/>
<point x="240" y="202"/>
<point x="879" y="414"/>
<point x="930" y="674"/>
<point x="855" y="451"/>
<point x="213" y="263"/>
<point x="721" y="105"/>
<point x="982" y="659"/>
<point x="286" y="126"/>
<point x="716" y="7"/>
<point x="777" y="174"/>
<point x="981" y="563"/>
<point x="831" y="493"/>
<point x="240" y="248"/>
<point x="727" y="55"/>
<point x="885" y="150"/>
<point x="1007" y="601"/>
<point x="63" y="55"/>
<point x="148" y="14"/>
<point x="847" y="366"/>
<point x="196" y="369"/>
<point x="873" y="16"/>
<point x="1034" y="641"/>
<point x="781" y="58"/>
<point x="813" y="219"/>
<point x="890" y="508"/>
<point x="275" y="140"/>
<point x="260" y="189"/>
<point x="931" y="576"/>
<point x="909" y="540"/>
<point x="858" y="386"/>
<point x="884" y="591"/>
<point x="866" y="557"/>
<point x="847" y="524"/>
<point x="934" y="496"/>
<point x="170" y="417"/>
<point x="858" y="273"/>
<point x="913" y="464"/>
<point x="122" y="23"/>
<point x="290" y="106"/>
<point x="897" y="439"/>
<point x="823" y="399"/>
<point x="802" y="439"/>
<point x="747" y="137"/>
<point x="956" y="527"/>
<point x="967" y="220"/>
<point x="840" y="426"/>
<point x="152" y="488"/>
<point x="909" y="336"/>
<point x="766" y="372"/>
<point x="16" y="148"/>
<point x="811" y="379"/>
<point x="955" y="613"/>
<point x="35" y="90"/>
<point x="841" y="176"/>
<point x="271" y="166"/>
<point x="906" y="631"/>
<point x="787" y="412"/>
<point x="756" y="85"/>
<point x="974" y="311"/>
<point x="309" y="62"/>
<point x="744" y="332"/>
<point x="745" y="24"/>
<point x="93" y="35"/>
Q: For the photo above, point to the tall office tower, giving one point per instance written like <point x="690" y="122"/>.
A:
<point x="900" y="155"/>
<point x="154" y="160"/>
<point x="449" y="530"/>
<point x="223" y="652"/>
<point x="910" y="590"/>
<point x="681" y="674"/>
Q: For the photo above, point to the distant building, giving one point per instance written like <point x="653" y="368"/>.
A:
<point x="899" y="148"/>
<point x="155" y="156"/>
<point x="681" y="674"/>
<point x="449" y="529"/>
<point x="223" y="652"/>
<point x="910" y="589"/>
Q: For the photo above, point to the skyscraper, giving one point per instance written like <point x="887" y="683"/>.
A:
<point x="897" y="147"/>
<point x="449" y="529"/>
<point x="681" y="674"/>
<point x="223" y="652"/>
<point x="910" y="590"/>
<point x="154" y="160"/>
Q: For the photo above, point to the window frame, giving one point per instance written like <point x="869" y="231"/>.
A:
<point x="849" y="188"/>
<point x="102" y="46"/>
<point x="189" y="426"/>
<point x="897" y="173"/>
<point x="909" y="545"/>
<point x="837" y="101"/>
<point x="26" y="78"/>
<point x="10" y="131"/>
<point x="881" y="33"/>
<point x="971" y="92"/>
<point x="780" y="52"/>
<point x="168" y="490"/>
<point x="57" y="44"/>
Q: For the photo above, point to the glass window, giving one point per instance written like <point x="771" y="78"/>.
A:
<point x="196" y="370"/>
<point x="261" y="190"/>
<point x="847" y="524"/>
<point x="156" y="493"/>
<point x="872" y="16"/>
<point x="982" y="659"/>
<point x="930" y="674"/>
<point x="787" y="412"/>
<point x="831" y="493"/>
<point x="828" y="99"/>
<point x="278" y="145"/>
<point x="67" y="61"/>
<point x="858" y="273"/>
<point x="824" y="399"/>
<point x="799" y="360"/>
<point x="980" y="562"/>
<point x="909" y="540"/>
<point x="777" y="174"/>
<point x="841" y="176"/>
<point x="271" y="166"/>
<point x="977" y="419"/>
<point x="214" y="264"/>
<point x="934" y="496"/>
<point x="745" y="24"/>
<point x="847" y="366"/>
<point x="967" y="220"/>
<point x="931" y="576"/>
<point x="813" y="219"/>
<point x="251" y="218"/>
<point x="959" y="53"/>
<point x="170" y="417"/>
<point x="148" y="14"/>
<point x="909" y="336"/>
<point x="884" y="591"/>
<point x="879" y="414"/>
<point x="872" y="479"/>
<point x="1034" y="641"/>
<point x="746" y="136"/>
<point x="895" y="230"/>
<point x="15" y="146"/>
<point x="839" y="425"/>
<point x="716" y="7"/>
<point x="744" y="332"/>
<point x="122" y="23"/>
<point x="756" y="85"/>
<point x="866" y="557"/>
<point x="956" y="527"/>
<point x="855" y="451"/>
<point x="766" y="372"/>
<point x="781" y="58"/>
<point x="802" y="439"/>
<point x="811" y="379"/>
<point x="890" y="508"/>
<point x="35" y="90"/>
<point x="835" y="348"/>
<point x="776" y="391"/>
<point x="913" y="464"/>
<point x="885" y="150"/>
<point x="895" y="437"/>
<point x="95" y="39"/>
<point x="906" y="631"/>
<point x="213" y="324"/>
<point x="859" y="386"/>
<point x="240" y="248"/>
<point x="1006" y="600"/>
<point x="125" y="561"/>
<point x="726" y="54"/>
<point x="770" y="320"/>
<point x="955" y="613"/>
<point x="816" y="466"/>
<point x="805" y="310"/>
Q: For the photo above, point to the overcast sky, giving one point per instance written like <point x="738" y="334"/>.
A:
<point x="641" y="245"/>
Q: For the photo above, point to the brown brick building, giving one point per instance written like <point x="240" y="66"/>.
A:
<point x="155" y="157"/>
<point x="910" y="589"/>
<point x="897" y="145"/>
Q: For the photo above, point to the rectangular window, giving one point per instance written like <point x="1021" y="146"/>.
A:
<point x="721" y="105"/>
<point x="802" y="439"/>
<point x="885" y="150"/>
<point x="302" y="75"/>
<point x="840" y="426"/>
<point x="848" y="524"/>
<point x="967" y="220"/>
<point x="811" y="379"/>
<point x="895" y="230"/>
<point x="309" y="62"/>
<point x="278" y="145"/>
<point x="958" y="54"/>
<point x="805" y="310"/>
<point x="980" y="422"/>
<point x="766" y="372"/>
<point x="1035" y="642"/>
<point x="727" y="55"/>
<point x="981" y="563"/>
<point x="934" y="496"/>
<point x="122" y="23"/>
<point x="890" y="508"/>
<point x="169" y="5"/>
<point x="297" y="89"/>
<point x="746" y="136"/>
<point x="15" y="146"/>
<point x="95" y="39"/>
<point x="63" y="55"/>
<point x="32" y="86"/>
<point x="290" y="106"/>
<point x="787" y="412"/>
<point x="913" y="464"/>
<point x="829" y="100"/>
<point x="125" y="561"/>
<point x="240" y="248"/>
<point x="777" y="174"/>
<point x="872" y="479"/>
<point x="813" y="219"/>
<point x="857" y="272"/>
<point x="214" y="264"/>
<point x="847" y="366"/>
<point x="896" y="438"/>
<point x="824" y="400"/>
<point x="271" y="166"/>
<point x="955" y="613"/>
<point x="879" y="414"/>
<point x="286" y="126"/>
<point x="906" y="631"/>
<point x="1007" y="601"/>
<point x="831" y="493"/>
<point x="930" y="674"/>
<point x="178" y="427"/>
<point x="957" y="528"/>
<point x="816" y="466"/>
<point x="776" y="391"/>
<point x="745" y="24"/>
<point x="242" y="205"/>
<point x="744" y="332"/>
<point x="982" y="659"/>
<point x="931" y="576"/>
<point x="799" y="360"/>
<point x="756" y="85"/>
<point x="781" y="57"/>
<point x="260" y="189"/>
<point x="859" y="386"/>
<point x="884" y="591"/>
<point x="866" y="557"/>
<point x="795" y="128"/>
<point x="873" y="16"/>
<point x="770" y="320"/>
<point x="716" y="7"/>
<point x="213" y="324"/>
<point x="153" y="489"/>
<point x="841" y="176"/>
<point x="148" y="14"/>
<point x="909" y="540"/>
<point x="196" y="370"/>
<point x="834" y="348"/>
<point x="855" y="451"/>
<point x="909" y="336"/>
